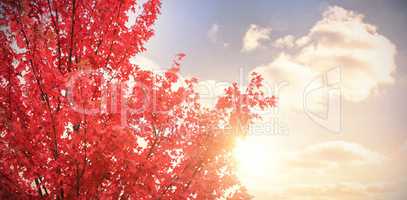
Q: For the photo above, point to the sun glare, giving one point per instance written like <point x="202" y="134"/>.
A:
<point x="251" y="157"/>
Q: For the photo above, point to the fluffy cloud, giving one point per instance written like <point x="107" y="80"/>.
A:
<point x="288" y="78"/>
<point x="333" y="153"/>
<point x="340" y="39"/>
<point x="254" y="36"/>
<point x="304" y="182"/>
<point x="343" y="39"/>
<point x="334" y="191"/>
<point x="144" y="63"/>
<point x="287" y="41"/>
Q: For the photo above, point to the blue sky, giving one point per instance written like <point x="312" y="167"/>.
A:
<point x="183" y="27"/>
<point x="369" y="152"/>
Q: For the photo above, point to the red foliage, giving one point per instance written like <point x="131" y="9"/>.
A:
<point x="152" y="140"/>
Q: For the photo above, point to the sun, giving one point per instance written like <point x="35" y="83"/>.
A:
<point x="258" y="158"/>
<point x="251" y="157"/>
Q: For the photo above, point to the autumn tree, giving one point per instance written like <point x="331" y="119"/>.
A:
<point x="79" y="121"/>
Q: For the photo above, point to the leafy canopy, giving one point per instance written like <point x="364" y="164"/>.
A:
<point x="79" y="121"/>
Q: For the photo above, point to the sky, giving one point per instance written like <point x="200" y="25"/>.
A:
<point x="339" y="70"/>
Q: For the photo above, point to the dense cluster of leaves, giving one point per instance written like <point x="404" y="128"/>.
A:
<point x="146" y="137"/>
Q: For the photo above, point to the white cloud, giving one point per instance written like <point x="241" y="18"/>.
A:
<point x="321" y="171"/>
<point x="340" y="39"/>
<point x="334" y="191"/>
<point x="144" y="62"/>
<point x="254" y="36"/>
<point x="302" y="41"/>
<point x="343" y="39"/>
<point x="289" y="77"/>
<point x="287" y="41"/>
<point x="333" y="153"/>
<point x="213" y="33"/>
